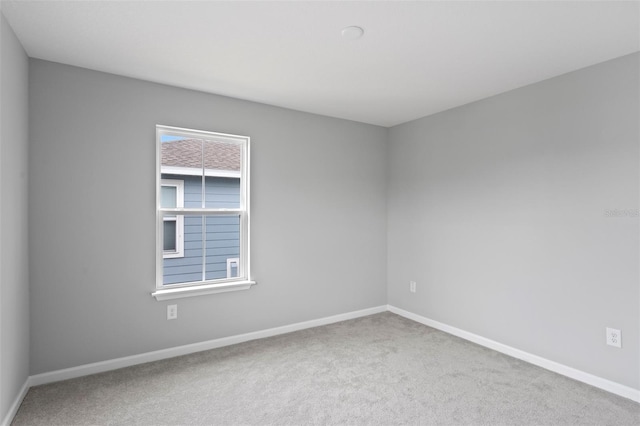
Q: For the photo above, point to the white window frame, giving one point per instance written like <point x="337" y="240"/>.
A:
<point x="179" y="185"/>
<point x="244" y="279"/>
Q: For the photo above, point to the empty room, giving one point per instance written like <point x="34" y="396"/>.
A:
<point x="319" y="212"/>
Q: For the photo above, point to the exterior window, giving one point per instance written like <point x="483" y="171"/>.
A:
<point x="172" y="196"/>
<point x="202" y="210"/>
<point x="232" y="267"/>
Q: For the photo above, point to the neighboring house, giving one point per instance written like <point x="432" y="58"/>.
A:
<point x="184" y="239"/>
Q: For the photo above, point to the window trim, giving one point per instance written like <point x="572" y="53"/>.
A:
<point x="243" y="281"/>
<point x="179" y="185"/>
<point x="201" y="290"/>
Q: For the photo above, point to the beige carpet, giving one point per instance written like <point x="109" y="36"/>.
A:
<point x="377" y="370"/>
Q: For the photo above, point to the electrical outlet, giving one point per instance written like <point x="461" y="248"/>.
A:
<point x="614" y="337"/>
<point x="172" y="312"/>
<point x="412" y="286"/>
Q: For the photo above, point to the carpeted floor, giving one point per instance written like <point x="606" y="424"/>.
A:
<point x="376" y="370"/>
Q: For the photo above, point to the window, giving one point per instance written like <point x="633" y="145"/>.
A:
<point x="232" y="267"/>
<point x="172" y="196"/>
<point x="202" y="211"/>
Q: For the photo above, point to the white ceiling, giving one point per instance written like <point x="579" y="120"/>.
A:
<point x="415" y="59"/>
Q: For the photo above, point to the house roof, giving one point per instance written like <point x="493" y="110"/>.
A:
<point x="188" y="153"/>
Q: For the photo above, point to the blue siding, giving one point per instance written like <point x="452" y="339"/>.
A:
<point x="222" y="233"/>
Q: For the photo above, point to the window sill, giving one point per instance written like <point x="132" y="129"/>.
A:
<point x="201" y="290"/>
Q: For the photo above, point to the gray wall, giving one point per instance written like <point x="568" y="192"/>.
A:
<point x="498" y="210"/>
<point x="14" y="274"/>
<point x="318" y="200"/>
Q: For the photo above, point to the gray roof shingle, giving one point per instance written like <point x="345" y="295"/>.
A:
<point x="188" y="153"/>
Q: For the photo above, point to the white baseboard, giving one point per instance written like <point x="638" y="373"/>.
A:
<point x="581" y="376"/>
<point x="113" y="364"/>
<point x="13" y="410"/>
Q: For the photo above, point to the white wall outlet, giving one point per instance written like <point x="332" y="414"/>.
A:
<point x="412" y="286"/>
<point x="172" y="312"/>
<point x="614" y="337"/>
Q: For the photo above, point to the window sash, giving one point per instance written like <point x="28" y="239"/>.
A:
<point x="242" y="266"/>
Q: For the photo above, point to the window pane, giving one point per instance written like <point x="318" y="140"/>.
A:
<point x="223" y="242"/>
<point x="182" y="159"/>
<point x="222" y="169"/>
<point x="169" y="235"/>
<point x="187" y="268"/>
<point x="169" y="197"/>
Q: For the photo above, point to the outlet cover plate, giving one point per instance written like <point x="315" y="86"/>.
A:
<point x="614" y="337"/>
<point x="172" y="312"/>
